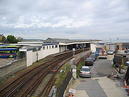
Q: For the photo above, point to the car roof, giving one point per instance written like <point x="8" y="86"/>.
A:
<point x="110" y="50"/>
<point x="89" y="58"/>
<point x="85" y="67"/>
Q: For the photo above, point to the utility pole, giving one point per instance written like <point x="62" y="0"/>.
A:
<point x="37" y="53"/>
<point x="74" y="71"/>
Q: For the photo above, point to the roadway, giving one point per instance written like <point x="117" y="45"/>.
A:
<point x="99" y="85"/>
<point x="101" y="67"/>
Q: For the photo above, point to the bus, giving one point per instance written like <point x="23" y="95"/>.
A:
<point x="8" y="46"/>
<point x="8" y="51"/>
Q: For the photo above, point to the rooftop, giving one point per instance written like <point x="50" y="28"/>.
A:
<point x="85" y="67"/>
<point x="28" y="48"/>
<point x="59" y="40"/>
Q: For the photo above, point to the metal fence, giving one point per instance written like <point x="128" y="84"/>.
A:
<point x="120" y="59"/>
<point x="63" y="86"/>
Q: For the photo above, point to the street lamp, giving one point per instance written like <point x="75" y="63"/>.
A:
<point x="37" y="53"/>
<point x="73" y="52"/>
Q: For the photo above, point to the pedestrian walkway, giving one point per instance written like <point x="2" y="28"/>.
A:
<point x="97" y="87"/>
<point x="92" y="88"/>
<point x="110" y="88"/>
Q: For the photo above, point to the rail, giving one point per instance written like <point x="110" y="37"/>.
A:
<point x="26" y="82"/>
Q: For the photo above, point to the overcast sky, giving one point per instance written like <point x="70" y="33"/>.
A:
<point x="79" y="19"/>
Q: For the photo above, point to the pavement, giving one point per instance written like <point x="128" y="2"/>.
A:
<point x="110" y="88"/>
<point x="91" y="87"/>
<point x="5" y="62"/>
<point x="102" y="67"/>
<point x="99" y="85"/>
<point x="11" y="67"/>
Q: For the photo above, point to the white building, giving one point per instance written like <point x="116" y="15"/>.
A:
<point x="38" y="50"/>
<point x="96" y="44"/>
<point x="93" y="47"/>
<point x="30" y="43"/>
<point x="34" y="54"/>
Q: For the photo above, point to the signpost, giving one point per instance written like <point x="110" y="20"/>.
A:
<point x="74" y="71"/>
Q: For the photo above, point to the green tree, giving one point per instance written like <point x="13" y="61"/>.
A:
<point x="2" y="38"/>
<point x="11" y="39"/>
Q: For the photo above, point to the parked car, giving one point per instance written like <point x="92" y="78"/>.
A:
<point x="85" y="71"/>
<point x="93" y="56"/>
<point x="102" y="57"/>
<point x="89" y="61"/>
<point x="127" y="63"/>
<point x="110" y="52"/>
<point x="96" y="53"/>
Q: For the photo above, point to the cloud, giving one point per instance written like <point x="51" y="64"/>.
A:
<point x="84" y="18"/>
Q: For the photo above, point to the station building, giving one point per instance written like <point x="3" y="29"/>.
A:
<point x="35" y="51"/>
<point x="97" y="45"/>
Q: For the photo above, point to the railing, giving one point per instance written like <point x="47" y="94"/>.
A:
<point x="63" y="86"/>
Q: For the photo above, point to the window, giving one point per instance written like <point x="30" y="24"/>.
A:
<point x="55" y="46"/>
<point x="43" y="48"/>
<point x="52" y="46"/>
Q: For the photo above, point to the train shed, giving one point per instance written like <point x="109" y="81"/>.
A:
<point x="67" y="44"/>
<point x="36" y="50"/>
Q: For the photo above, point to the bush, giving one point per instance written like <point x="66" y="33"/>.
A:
<point x="79" y="67"/>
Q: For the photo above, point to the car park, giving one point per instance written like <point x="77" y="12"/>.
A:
<point x="89" y="62"/>
<point x="93" y="56"/>
<point x="85" y="71"/>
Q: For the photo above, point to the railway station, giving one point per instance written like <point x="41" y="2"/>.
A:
<point x="34" y="50"/>
<point x="39" y="50"/>
<point x="67" y="48"/>
<point x="62" y="58"/>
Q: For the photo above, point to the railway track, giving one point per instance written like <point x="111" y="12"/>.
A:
<point x="47" y="88"/>
<point x="26" y="83"/>
<point x="37" y="80"/>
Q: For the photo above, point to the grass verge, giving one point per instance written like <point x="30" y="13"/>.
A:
<point x="61" y="75"/>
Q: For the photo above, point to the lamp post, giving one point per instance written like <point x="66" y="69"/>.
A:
<point x="37" y="53"/>
<point x="74" y="66"/>
<point x="73" y="52"/>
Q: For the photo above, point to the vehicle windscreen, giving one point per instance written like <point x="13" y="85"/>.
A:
<point x="110" y="51"/>
<point x="90" y="59"/>
<point x="92" y="55"/>
<point x="85" y="69"/>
